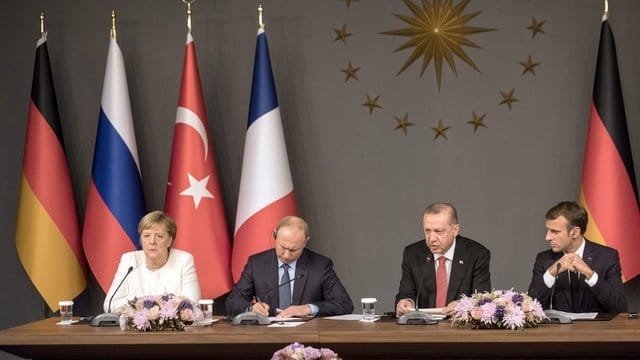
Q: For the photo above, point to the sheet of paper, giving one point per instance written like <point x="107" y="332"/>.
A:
<point x="578" y="316"/>
<point x="286" y="324"/>
<point x="351" y="317"/>
<point x="274" y="319"/>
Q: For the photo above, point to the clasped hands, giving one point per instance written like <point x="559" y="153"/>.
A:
<point x="571" y="262"/>
<point x="292" y="311"/>
<point x="406" y="305"/>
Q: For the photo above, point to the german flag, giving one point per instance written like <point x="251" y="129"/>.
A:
<point x="47" y="232"/>
<point x="609" y="191"/>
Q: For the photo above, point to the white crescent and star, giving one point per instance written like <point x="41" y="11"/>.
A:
<point x="197" y="189"/>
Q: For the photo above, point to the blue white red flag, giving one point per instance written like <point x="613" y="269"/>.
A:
<point x="266" y="189"/>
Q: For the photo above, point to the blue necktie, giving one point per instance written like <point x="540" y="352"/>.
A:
<point x="285" y="290"/>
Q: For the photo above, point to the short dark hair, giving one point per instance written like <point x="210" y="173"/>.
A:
<point x="437" y="208"/>
<point x="575" y="214"/>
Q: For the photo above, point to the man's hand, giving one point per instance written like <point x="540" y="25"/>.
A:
<point x="450" y="309"/>
<point x="295" y="311"/>
<point x="260" y="308"/>
<point x="578" y="265"/>
<point x="404" y="306"/>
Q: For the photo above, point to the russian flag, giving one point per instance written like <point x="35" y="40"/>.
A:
<point x="609" y="191"/>
<point x="266" y="189"/>
<point x="115" y="202"/>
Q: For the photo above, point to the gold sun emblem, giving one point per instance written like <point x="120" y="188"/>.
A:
<point x="437" y="32"/>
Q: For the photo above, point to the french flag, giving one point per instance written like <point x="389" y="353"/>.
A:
<point x="266" y="189"/>
<point x="115" y="202"/>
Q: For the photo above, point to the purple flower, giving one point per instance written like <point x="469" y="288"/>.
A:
<point x="312" y="353"/>
<point x="327" y="353"/>
<point x="488" y="313"/>
<point x="141" y="320"/>
<point x="517" y="298"/>
<point x="514" y="317"/>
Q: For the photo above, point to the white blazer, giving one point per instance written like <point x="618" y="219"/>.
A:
<point x="178" y="276"/>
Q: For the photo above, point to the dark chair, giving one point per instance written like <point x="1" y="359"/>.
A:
<point x="632" y="294"/>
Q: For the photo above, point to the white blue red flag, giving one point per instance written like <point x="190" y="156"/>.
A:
<point x="194" y="198"/>
<point x="266" y="189"/>
<point x="115" y="202"/>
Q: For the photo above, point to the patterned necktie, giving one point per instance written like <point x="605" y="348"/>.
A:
<point x="441" y="282"/>
<point x="285" y="290"/>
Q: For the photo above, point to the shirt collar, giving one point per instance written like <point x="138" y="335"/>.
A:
<point x="449" y="254"/>
<point x="580" y="250"/>
<point x="291" y="265"/>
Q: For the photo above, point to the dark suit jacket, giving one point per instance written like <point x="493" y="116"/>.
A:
<point x="606" y="296"/>
<point x="632" y="294"/>
<point x="319" y="285"/>
<point x="469" y="272"/>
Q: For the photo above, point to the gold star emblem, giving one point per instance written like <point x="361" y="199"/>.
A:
<point x="441" y="130"/>
<point x="508" y="98"/>
<point x="403" y="123"/>
<point x="351" y="72"/>
<point x="437" y="32"/>
<point x="372" y="103"/>
<point x="348" y="2"/>
<point x="536" y="27"/>
<point x="342" y="34"/>
<point x="477" y="121"/>
<point x="529" y="66"/>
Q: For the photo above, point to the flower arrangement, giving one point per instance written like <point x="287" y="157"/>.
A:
<point x="160" y="313"/>
<point x="297" y="351"/>
<point x="498" y="309"/>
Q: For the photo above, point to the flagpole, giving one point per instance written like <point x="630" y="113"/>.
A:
<point x="605" y="15"/>
<point x="260" y="22"/>
<point x="42" y="31"/>
<point x="113" y="24"/>
<point x="188" y="2"/>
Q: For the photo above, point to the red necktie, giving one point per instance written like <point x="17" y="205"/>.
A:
<point x="441" y="282"/>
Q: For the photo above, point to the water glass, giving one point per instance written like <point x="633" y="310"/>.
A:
<point x="206" y="305"/>
<point x="66" y="311"/>
<point x="368" y="308"/>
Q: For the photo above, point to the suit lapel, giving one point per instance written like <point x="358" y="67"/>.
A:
<point x="458" y="271"/>
<point x="428" y="285"/>
<point x="302" y="268"/>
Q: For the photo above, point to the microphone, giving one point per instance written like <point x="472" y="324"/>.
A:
<point x="417" y="317"/>
<point x="109" y="318"/>
<point x="556" y="316"/>
<point x="252" y="318"/>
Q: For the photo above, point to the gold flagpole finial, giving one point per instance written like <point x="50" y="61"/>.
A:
<point x="188" y="2"/>
<point x="113" y="24"/>
<point x="260" y="23"/>
<point x="605" y="15"/>
<point x="42" y="30"/>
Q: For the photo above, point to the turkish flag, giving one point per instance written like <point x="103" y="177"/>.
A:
<point x="193" y="197"/>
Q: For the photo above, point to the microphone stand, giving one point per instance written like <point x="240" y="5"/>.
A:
<point x="417" y="317"/>
<point x="109" y="318"/>
<point x="556" y="316"/>
<point x="251" y="317"/>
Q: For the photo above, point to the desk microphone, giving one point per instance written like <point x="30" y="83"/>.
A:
<point x="554" y="315"/>
<point x="417" y="317"/>
<point x="252" y="318"/>
<point x="109" y="318"/>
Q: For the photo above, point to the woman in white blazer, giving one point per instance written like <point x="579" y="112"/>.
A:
<point x="157" y="269"/>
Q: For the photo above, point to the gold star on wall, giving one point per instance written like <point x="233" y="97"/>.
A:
<point x="441" y="130"/>
<point x="403" y="123"/>
<point x="536" y="27"/>
<point x="348" y="2"/>
<point x="477" y="121"/>
<point x="529" y="66"/>
<point x="437" y="32"/>
<point x="372" y="103"/>
<point x="351" y="72"/>
<point x="342" y="34"/>
<point x="508" y="98"/>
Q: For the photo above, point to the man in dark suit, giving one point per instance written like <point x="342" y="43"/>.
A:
<point x="443" y="260"/>
<point x="314" y="290"/>
<point x="586" y="275"/>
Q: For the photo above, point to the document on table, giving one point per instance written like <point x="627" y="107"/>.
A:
<point x="351" y="317"/>
<point x="285" y="323"/>
<point x="578" y="316"/>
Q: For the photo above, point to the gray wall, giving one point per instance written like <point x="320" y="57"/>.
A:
<point x="361" y="184"/>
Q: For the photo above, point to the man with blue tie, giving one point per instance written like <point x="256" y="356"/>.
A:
<point x="575" y="274"/>
<point x="289" y="280"/>
<point x="443" y="266"/>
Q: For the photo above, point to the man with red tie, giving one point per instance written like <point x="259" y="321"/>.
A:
<point x="443" y="266"/>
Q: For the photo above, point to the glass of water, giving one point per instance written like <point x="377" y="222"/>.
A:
<point x="368" y="308"/>
<point x="66" y="311"/>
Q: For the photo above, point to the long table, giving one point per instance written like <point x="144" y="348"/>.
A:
<point x="618" y="338"/>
